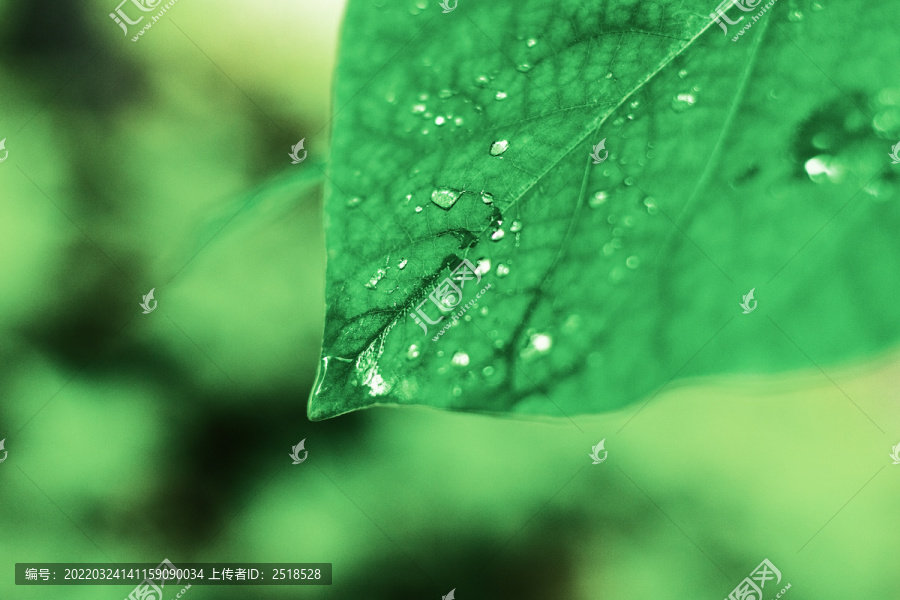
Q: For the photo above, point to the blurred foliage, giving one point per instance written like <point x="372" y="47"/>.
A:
<point x="163" y="164"/>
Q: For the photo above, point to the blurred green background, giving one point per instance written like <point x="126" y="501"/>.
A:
<point x="132" y="438"/>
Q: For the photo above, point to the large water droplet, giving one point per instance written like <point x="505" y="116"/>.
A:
<point x="500" y="95"/>
<point x="402" y="264"/>
<point x="439" y="121"/>
<point x="499" y="147"/>
<point x="445" y="197"/>
<point x="483" y="266"/>
<point x="824" y="168"/>
<point x="487" y="198"/>
<point x="498" y="235"/>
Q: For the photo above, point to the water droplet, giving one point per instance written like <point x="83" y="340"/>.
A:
<point x="460" y="359"/>
<point x="481" y="80"/>
<point x="632" y="262"/>
<point x="516" y="226"/>
<point x="445" y="93"/>
<point x="502" y="270"/>
<point x="423" y="96"/>
<point x="498" y="235"/>
<point x="683" y="73"/>
<point x="531" y="42"/>
<point x="499" y="147"/>
<point x="817" y="7"/>
<point x="402" y="264"/>
<point x="487" y="198"/>
<point x="572" y="324"/>
<point x="413" y="352"/>
<point x="418" y="209"/>
<point x="484" y="310"/>
<point x="598" y="199"/>
<point x="635" y="103"/>
<point x="488" y="371"/>
<point x="445" y="198"/>
<point x="458" y="121"/>
<point x="354" y="201"/>
<point x="682" y="102"/>
<point x="483" y="266"/>
<point x="795" y="16"/>
<point x="609" y="75"/>
<point x="524" y="67"/>
<point x="650" y="203"/>
<point x="457" y="391"/>
<point x="418" y="109"/>
<point x="500" y="95"/>
<point x="628" y="181"/>
<point x="378" y="276"/>
<point x="439" y="121"/>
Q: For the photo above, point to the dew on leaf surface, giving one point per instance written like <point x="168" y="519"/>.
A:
<point x="499" y="147"/>
<point x="445" y="197"/>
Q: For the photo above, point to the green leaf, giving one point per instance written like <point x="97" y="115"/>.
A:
<point x="756" y="163"/>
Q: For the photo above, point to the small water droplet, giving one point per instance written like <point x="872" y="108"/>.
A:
<point x="487" y="198"/>
<point x="683" y="101"/>
<point x="498" y="235"/>
<point x="484" y="310"/>
<point x="418" y="109"/>
<point x="418" y="209"/>
<point x="481" y="80"/>
<point x="650" y="203"/>
<point x="354" y="201"/>
<point x="817" y="7"/>
<point x="683" y="73"/>
<point x="628" y="181"/>
<point x="795" y="16"/>
<point x="458" y="121"/>
<point x="635" y="103"/>
<point x="524" y="67"/>
<point x="632" y="262"/>
<point x="439" y="121"/>
<point x="423" y="96"/>
<point x="500" y="95"/>
<point x="598" y="199"/>
<point x="460" y="359"/>
<point x="488" y="371"/>
<point x="499" y="147"/>
<point x="445" y="93"/>
<point x="531" y="42"/>
<point x="502" y="270"/>
<point x="516" y="226"/>
<point x="413" y="352"/>
<point x="445" y="198"/>
<point x="572" y="324"/>
<point x="402" y="264"/>
<point x="609" y="75"/>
